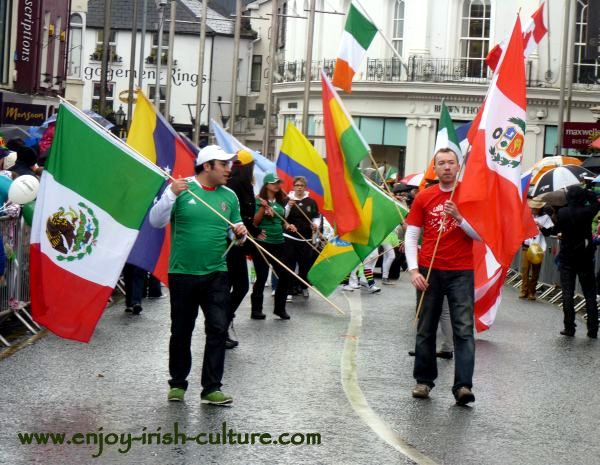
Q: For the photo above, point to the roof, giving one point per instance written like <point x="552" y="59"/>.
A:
<point x="220" y="15"/>
<point x="218" y="22"/>
<point x="122" y="16"/>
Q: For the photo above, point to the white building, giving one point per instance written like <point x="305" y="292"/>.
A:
<point x="443" y="43"/>
<point x="86" y="54"/>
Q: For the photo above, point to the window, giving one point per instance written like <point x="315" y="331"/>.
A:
<point x="110" y="95"/>
<point x="256" y="73"/>
<point x="112" y="47"/>
<point x="5" y="14"/>
<point x="164" y="48"/>
<point x="398" y="26"/>
<point x="586" y="67"/>
<point x="163" y="96"/>
<point x="475" y="36"/>
<point x="75" y="45"/>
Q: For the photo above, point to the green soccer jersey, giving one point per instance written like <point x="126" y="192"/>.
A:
<point x="198" y="235"/>
<point x="273" y="227"/>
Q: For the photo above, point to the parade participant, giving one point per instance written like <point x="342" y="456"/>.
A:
<point x="302" y="212"/>
<point x="240" y="182"/>
<point x="576" y="257"/>
<point x="532" y="251"/>
<point x="197" y="269"/>
<point x="451" y="276"/>
<point x="269" y="219"/>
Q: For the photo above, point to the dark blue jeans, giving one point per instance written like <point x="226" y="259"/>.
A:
<point x="583" y="269"/>
<point x="458" y="287"/>
<point x="211" y="293"/>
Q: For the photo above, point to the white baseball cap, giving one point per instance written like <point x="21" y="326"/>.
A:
<point x="213" y="152"/>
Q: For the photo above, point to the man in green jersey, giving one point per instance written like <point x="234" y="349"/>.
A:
<point x="198" y="269"/>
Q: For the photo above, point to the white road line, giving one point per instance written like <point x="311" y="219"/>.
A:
<point x="354" y="392"/>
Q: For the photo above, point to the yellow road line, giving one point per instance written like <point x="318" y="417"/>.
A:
<point x="357" y="398"/>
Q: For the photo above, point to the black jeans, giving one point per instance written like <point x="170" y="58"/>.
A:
<point x="302" y="254"/>
<point x="135" y="284"/>
<point x="262" y="272"/>
<point x="585" y="271"/>
<point x="211" y="293"/>
<point x="458" y="287"/>
<point x="237" y="268"/>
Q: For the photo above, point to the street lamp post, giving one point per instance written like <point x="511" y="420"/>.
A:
<point x="160" y="4"/>
<point x="224" y="116"/>
<point x="120" y="121"/>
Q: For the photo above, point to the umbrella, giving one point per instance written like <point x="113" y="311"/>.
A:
<point x="560" y="177"/>
<point x="555" y="199"/>
<point x="413" y="179"/>
<point x="99" y="119"/>
<point x="548" y="163"/>
<point x="596" y="143"/>
<point x="14" y="132"/>
<point x="592" y="163"/>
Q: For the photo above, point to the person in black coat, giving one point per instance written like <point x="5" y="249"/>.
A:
<point x="576" y="256"/>
<point x="240" y="182"/>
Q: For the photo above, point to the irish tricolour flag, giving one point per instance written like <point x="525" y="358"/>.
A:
<point x="356" y="38"/>
<point x="94" y="195"/>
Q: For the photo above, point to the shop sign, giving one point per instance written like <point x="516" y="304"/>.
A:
<point x="23" y="114"/>
<point x="579" y="136"/>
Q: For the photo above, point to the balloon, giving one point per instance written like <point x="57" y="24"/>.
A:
<point x="24" y="189"/>
<point x="27" y="211"/>
<point x="5" y="183"/>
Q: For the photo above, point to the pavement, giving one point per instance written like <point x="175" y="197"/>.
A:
<point x="347" y="377"/>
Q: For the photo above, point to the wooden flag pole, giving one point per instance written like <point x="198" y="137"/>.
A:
<point x="260" y="248"/>
<point x="437" y="242"/>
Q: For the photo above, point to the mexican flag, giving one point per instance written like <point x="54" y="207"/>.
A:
<point x="356" y="38"/>
<point x="93" y="197"/>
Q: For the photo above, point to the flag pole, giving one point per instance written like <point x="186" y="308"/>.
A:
<point x="383" y="36"/>
<point x="437" y="242"/>
<point x="262" y="249"/>
<point x="301" y="236"/>
<point x="387" y="188"/>
<point x="167" y="175"/>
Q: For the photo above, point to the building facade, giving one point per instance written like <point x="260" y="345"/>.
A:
<point x="33" y="48"/>
<point x="84" y="64"/>
<point x="442" y="43"/>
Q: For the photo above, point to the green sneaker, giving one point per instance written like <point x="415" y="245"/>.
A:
<point x="176" y="395"/>
<point x="216" y="398"/>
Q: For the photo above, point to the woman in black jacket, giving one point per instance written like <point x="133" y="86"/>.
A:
<point x="240" y="182"/>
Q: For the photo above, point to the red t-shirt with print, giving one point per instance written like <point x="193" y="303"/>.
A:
<point x="455" y="251"/>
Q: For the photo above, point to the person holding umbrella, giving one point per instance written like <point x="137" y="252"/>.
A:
<point x="576" y="256"/>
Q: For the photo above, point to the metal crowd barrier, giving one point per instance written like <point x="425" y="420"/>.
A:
<point x="14" y="293"/>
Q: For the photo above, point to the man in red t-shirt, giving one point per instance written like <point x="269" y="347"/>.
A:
<point x="451" y="276"/>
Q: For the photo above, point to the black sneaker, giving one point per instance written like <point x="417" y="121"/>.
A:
<point x="282" y="314"/>
<point x="568" y="332"/>
<point x="444" y="354"/>
<point x="128" y="309"/>
<point x="137" y="309"/>
<point x="231" y="343"/>
<point x="258" y="316"/>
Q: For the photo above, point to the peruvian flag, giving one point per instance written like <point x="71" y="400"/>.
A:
<point x="491" y="194"/>
<point x="533" y="33"/>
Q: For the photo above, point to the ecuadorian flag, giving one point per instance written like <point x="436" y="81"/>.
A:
<point x="153" y="137"/>
<point x="298" y="157"/>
